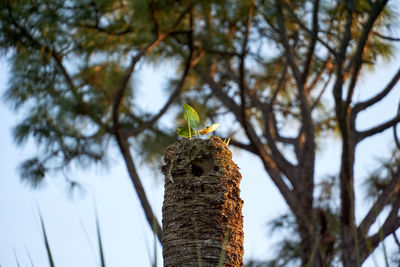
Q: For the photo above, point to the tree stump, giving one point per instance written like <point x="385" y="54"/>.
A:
<point x="202" y="209"/>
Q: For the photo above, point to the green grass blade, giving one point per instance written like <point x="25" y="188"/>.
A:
<point x="155" y="263"/>
<point x="46" y="242"/>
<point x="370" y="249"/>
<point x="147" y="247"/>
<point x="101" y="251"/>
<point x="16" y="258"/>
<point x="92" y="250"/>
<point x="29" y="256"/>
<point x="382" y="239"/>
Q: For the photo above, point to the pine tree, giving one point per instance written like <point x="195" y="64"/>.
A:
<point x="286" y="71"/>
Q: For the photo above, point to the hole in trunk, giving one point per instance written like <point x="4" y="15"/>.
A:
<point x="197" y="170"/>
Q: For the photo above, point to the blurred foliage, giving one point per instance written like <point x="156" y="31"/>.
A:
<point x="377" y="180"/>
<point x="287" y="249"/>
<point x="68" y="59"/>
<point x="327" y="218"/>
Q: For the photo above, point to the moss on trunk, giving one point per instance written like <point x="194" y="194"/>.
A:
<point x="202" y="209"/>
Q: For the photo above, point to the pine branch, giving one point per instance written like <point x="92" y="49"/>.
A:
<point x="319" y="73"/>
<point x="58" y="58"/>
<point x="394" y="39"/>
<point x="269" y="165"/>
<point x="153" y="14"/>
<point x="357" y="58"/>
<point x="313" y="41"/>
<point x="347" y="208"/>
<point x="396" y="137"/>
<point x="137" y="183"/>
<point x="307" y="161"/>
<point x="277" y="137"/>
<point x="285" y="42"/>
<point x="241" y="145"/>
<point x="310" y="32"/>
<point x="218" y="52"/>
<point x="121" y="139"/>
<point x="392" y="189"/>
<point x="378" y="97"/>
<point x="378" y="129"/>
<point x="272" y="135"/>
<point x="220" y="94"/>
<point x="242" y="81"/>
<point x="391" y="224"/>
<point x="321" y="93"/>
<point x="340" y="57"/>
<point x="396" y="239"/>
<point x="188" y="65"/>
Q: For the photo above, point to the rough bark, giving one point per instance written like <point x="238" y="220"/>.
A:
<point x="202" y="209"/>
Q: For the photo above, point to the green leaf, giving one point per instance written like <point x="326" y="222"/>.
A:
<point x="191" y="116"/>
<point x="209" y="129"/>
<point x="184" y="132"/>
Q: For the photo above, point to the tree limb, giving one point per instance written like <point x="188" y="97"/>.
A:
<point x="396" y="138"/>
<point x="319" y="74"/>
<point x="153" y="13"/>
<point x="347" y="209"/>
<point x="357" y="58"/>
<point x="340" y="57"/>
<point x="150" y="216"/>
<point x="242" y="82"/>
<point x="310" y="32"/>
<point x="313" y="41"/>
<point x="386" y="37"/>
<point x="221" y="95"/>
<point x="391" y="224"/>
<point x="241" y="145"/>
<point x="378" y="129"/>
<point x="121" y="139"/>
<point x="269" y="165"/>
<point x="317" y="100"/>
<point x="218" y="52"/>
<point x="285" y="42"/>
<point x="307" y="161"/>
<point x="145" y="125"/>
<point x="375" y="99"/>
<point x="396" y="240"/>
<point x="282" y="163"/>
<point x="58" y="58"/>
<point x="392" y="189"/>
<point x="285" y="166"/>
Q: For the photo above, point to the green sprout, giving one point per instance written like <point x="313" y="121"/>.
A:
<point x="193" y="121"/>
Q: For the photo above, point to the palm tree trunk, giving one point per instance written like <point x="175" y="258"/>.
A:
<point x="202" y="209"/>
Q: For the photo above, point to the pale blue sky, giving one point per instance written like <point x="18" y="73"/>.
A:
<point x="126" y="236"/>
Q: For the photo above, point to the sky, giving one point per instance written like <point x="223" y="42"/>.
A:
<point x="127" y="239"/>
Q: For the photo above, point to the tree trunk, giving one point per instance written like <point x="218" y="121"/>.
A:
<point x="350" y="253"/>
<point x="202" y="209"/>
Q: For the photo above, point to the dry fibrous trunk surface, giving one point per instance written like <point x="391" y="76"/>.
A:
<point x="202" y="209"/>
